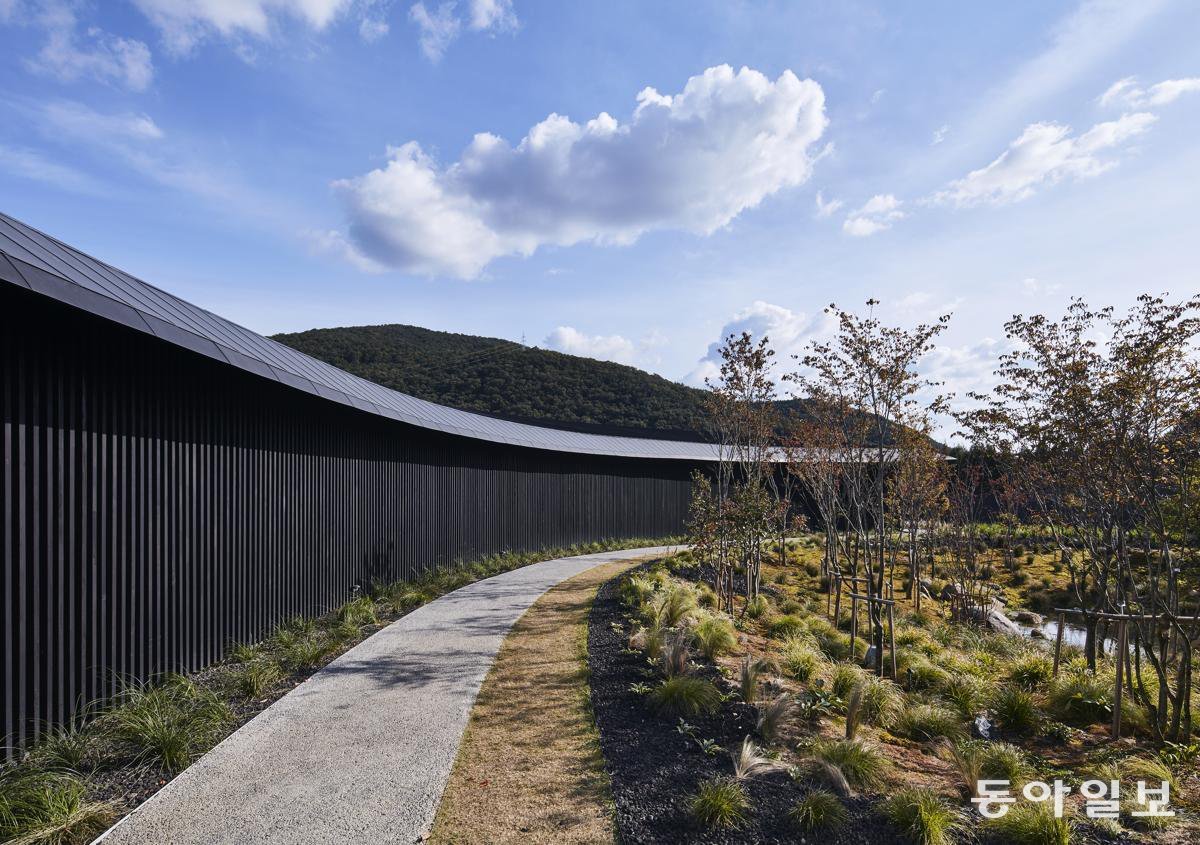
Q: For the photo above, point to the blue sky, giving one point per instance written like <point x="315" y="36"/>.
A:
<point x="300" y="163"/>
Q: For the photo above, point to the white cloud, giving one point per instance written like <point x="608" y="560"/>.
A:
<point x="940" y="134"/>
<point x="1126" y="92"/>
<point x="612" y="347"/>
<point x="185" y="23"/>
<point x="492" y="15"/>
<point x="30" y="164"/>
<point x="69" y="54"/>
<point x="692" y="161"/>
<point x="1044" y="154"/>
<point x="876" y="215"/>
<point x="827" y="208"/>
<point x="1036" y="287"/>
<point x="437" y="28"/>
<point x="371" y="30"/>
<point x="78" y="119"/>
<point x="788" y="332"/>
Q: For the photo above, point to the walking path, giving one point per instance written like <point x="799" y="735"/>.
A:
<point x="361" y="751"/>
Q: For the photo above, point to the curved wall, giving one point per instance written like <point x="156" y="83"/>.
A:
<point x="158" y="504"/>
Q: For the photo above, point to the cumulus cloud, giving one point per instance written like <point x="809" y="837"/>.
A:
<point x="827" y="208"/>
<point x="185" y="23"/>
<point x="1127" y="93"/>
<point x="877" y="214"/>
<point x="371" y="29"/>
<point x="1044" y="154"/>
<point x="611" y="347"/>
<point x="692" y="161"/>
<point x="440" y="26"/>
<point x="71" y="52"/>
<point x="788" y="332"/>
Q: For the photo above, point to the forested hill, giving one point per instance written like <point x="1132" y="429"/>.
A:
<point x="506" y="379"/>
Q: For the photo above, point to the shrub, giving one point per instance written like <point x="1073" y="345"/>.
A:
<point x="685" y="696"/>
<point x="51" y="808"/>
<point x="66" y="746"/>
<point x="1080" y="698"/>
<point x="1015" y="710"/>
<point x="256" y="677"/>
<point x="861" y="764"/>
<point x="1032" y="672"/>
<point x="818" y="810"/>
<point x="1031" y="824"/>
<point x="359" y="612"/>
<point x="714" y="636"/>
<point x="786" y="626"/>
<point x="846" y="676"/>
<point x="882" y="701"/>
<point x="800" y="659"/>
<point x="705" y="597"/>
<point x="813" y="569"/>
<point x="922" y="816"/>
<point x="748" y="760"/>
<point x="790" y="606"/>
<point x="169" y="723"/>
<point x="926" y="722"/>
<point x="636" y="590"/>
<point x="748" y="677"/>
<point x="720" y="803"/>
<point x="757" y="607"/>
<point x="677" y="602"/>
<point x="773" y="716"/>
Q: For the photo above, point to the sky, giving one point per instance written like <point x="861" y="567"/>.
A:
<point x="626" y="180"/>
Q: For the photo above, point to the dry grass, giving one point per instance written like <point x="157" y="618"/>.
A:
<point x="529" y="769"/>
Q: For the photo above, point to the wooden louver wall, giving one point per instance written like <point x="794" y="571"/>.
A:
<point x="158" y="505"/>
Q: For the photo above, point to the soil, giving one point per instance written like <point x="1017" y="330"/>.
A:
<point x="655" y="769"/>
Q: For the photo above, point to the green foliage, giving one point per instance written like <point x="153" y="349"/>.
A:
<point x="756" y="607"/>
<point x="786" y="626"/>
<point x="862" y="765"/>
<point x="922" y="816"/>
<point x="1032" y="672"/>
<point x="846" y="676"/>
<point x="818" y="810"/>
<point x="678" y="600"/>
<point x="243" y="652"/>
<point x="882" y="701"/>
<point x="253" y="679"/>
<point x="720" y="803"/>
<point x="800" y="658"/>
<point x="303" y="653"/>
<point x="714" y="636"/>
<point x="1031" y="824"/>
<point x="48" y="808"/>
<point x="748" y="675"/>
<point x="168" y="724"/>
<point x="66" y="746"/>
<point x="636" y="590"/>
<point x="358" y="612"/>
<point x="1015" y="710"/>
<point x="926" y="722"/>
<point x="967" y="694"/>
<point x="685" y="696"/>
<point x="1081" y="698"/>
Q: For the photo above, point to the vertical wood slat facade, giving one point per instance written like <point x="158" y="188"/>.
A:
<point x="158" y="505"/>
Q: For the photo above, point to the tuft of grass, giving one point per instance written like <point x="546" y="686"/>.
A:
<point x="636" y="591"/>
<point x="927" y="722"/>
<point x="243" y="652"/>
<point x="255" y="678"/>
<point x="967" y="694"/>
<point x="45" y="808"/>
<point x="800" y="658"/>
<point x="922" y="816"/>
<point x="818" y="810"/>
<point x="748" y="676"/>
<point x="1016" y="711"/>
<point x="882" y="701"/>
<point x="168" y="724"/>
<point x="773" y="716"/>
<point x="358" y="612"/>
<point x="714" y="636"/>
<point x="748" y="760"/>
<point x="786" y="626"/>
<point x="1150" y="769"/>
<point x="1031" y="824"/>
<point x="846" y="676"/>
<point x="757" y="607"/>
<point x="304" y="653"/>
<point x="720" y="803"/>
<point x="1032" y="672"/>
<point x="1080" y="698"/>
<point x="675" y="656"/>
<point x="66" y="746"/>
<point x="861" y="764"/>
<point x="685" y="696"/>
<point x="677" y="601"/>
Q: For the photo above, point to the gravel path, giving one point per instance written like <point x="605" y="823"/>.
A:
<point x="361" y="751"/>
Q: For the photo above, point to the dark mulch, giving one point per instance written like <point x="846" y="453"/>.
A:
<point x="655" y="769"/>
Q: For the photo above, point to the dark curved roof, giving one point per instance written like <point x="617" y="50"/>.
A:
<point x="34" y="260"/>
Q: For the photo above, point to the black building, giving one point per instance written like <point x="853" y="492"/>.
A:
<point x="173" y="482"/>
